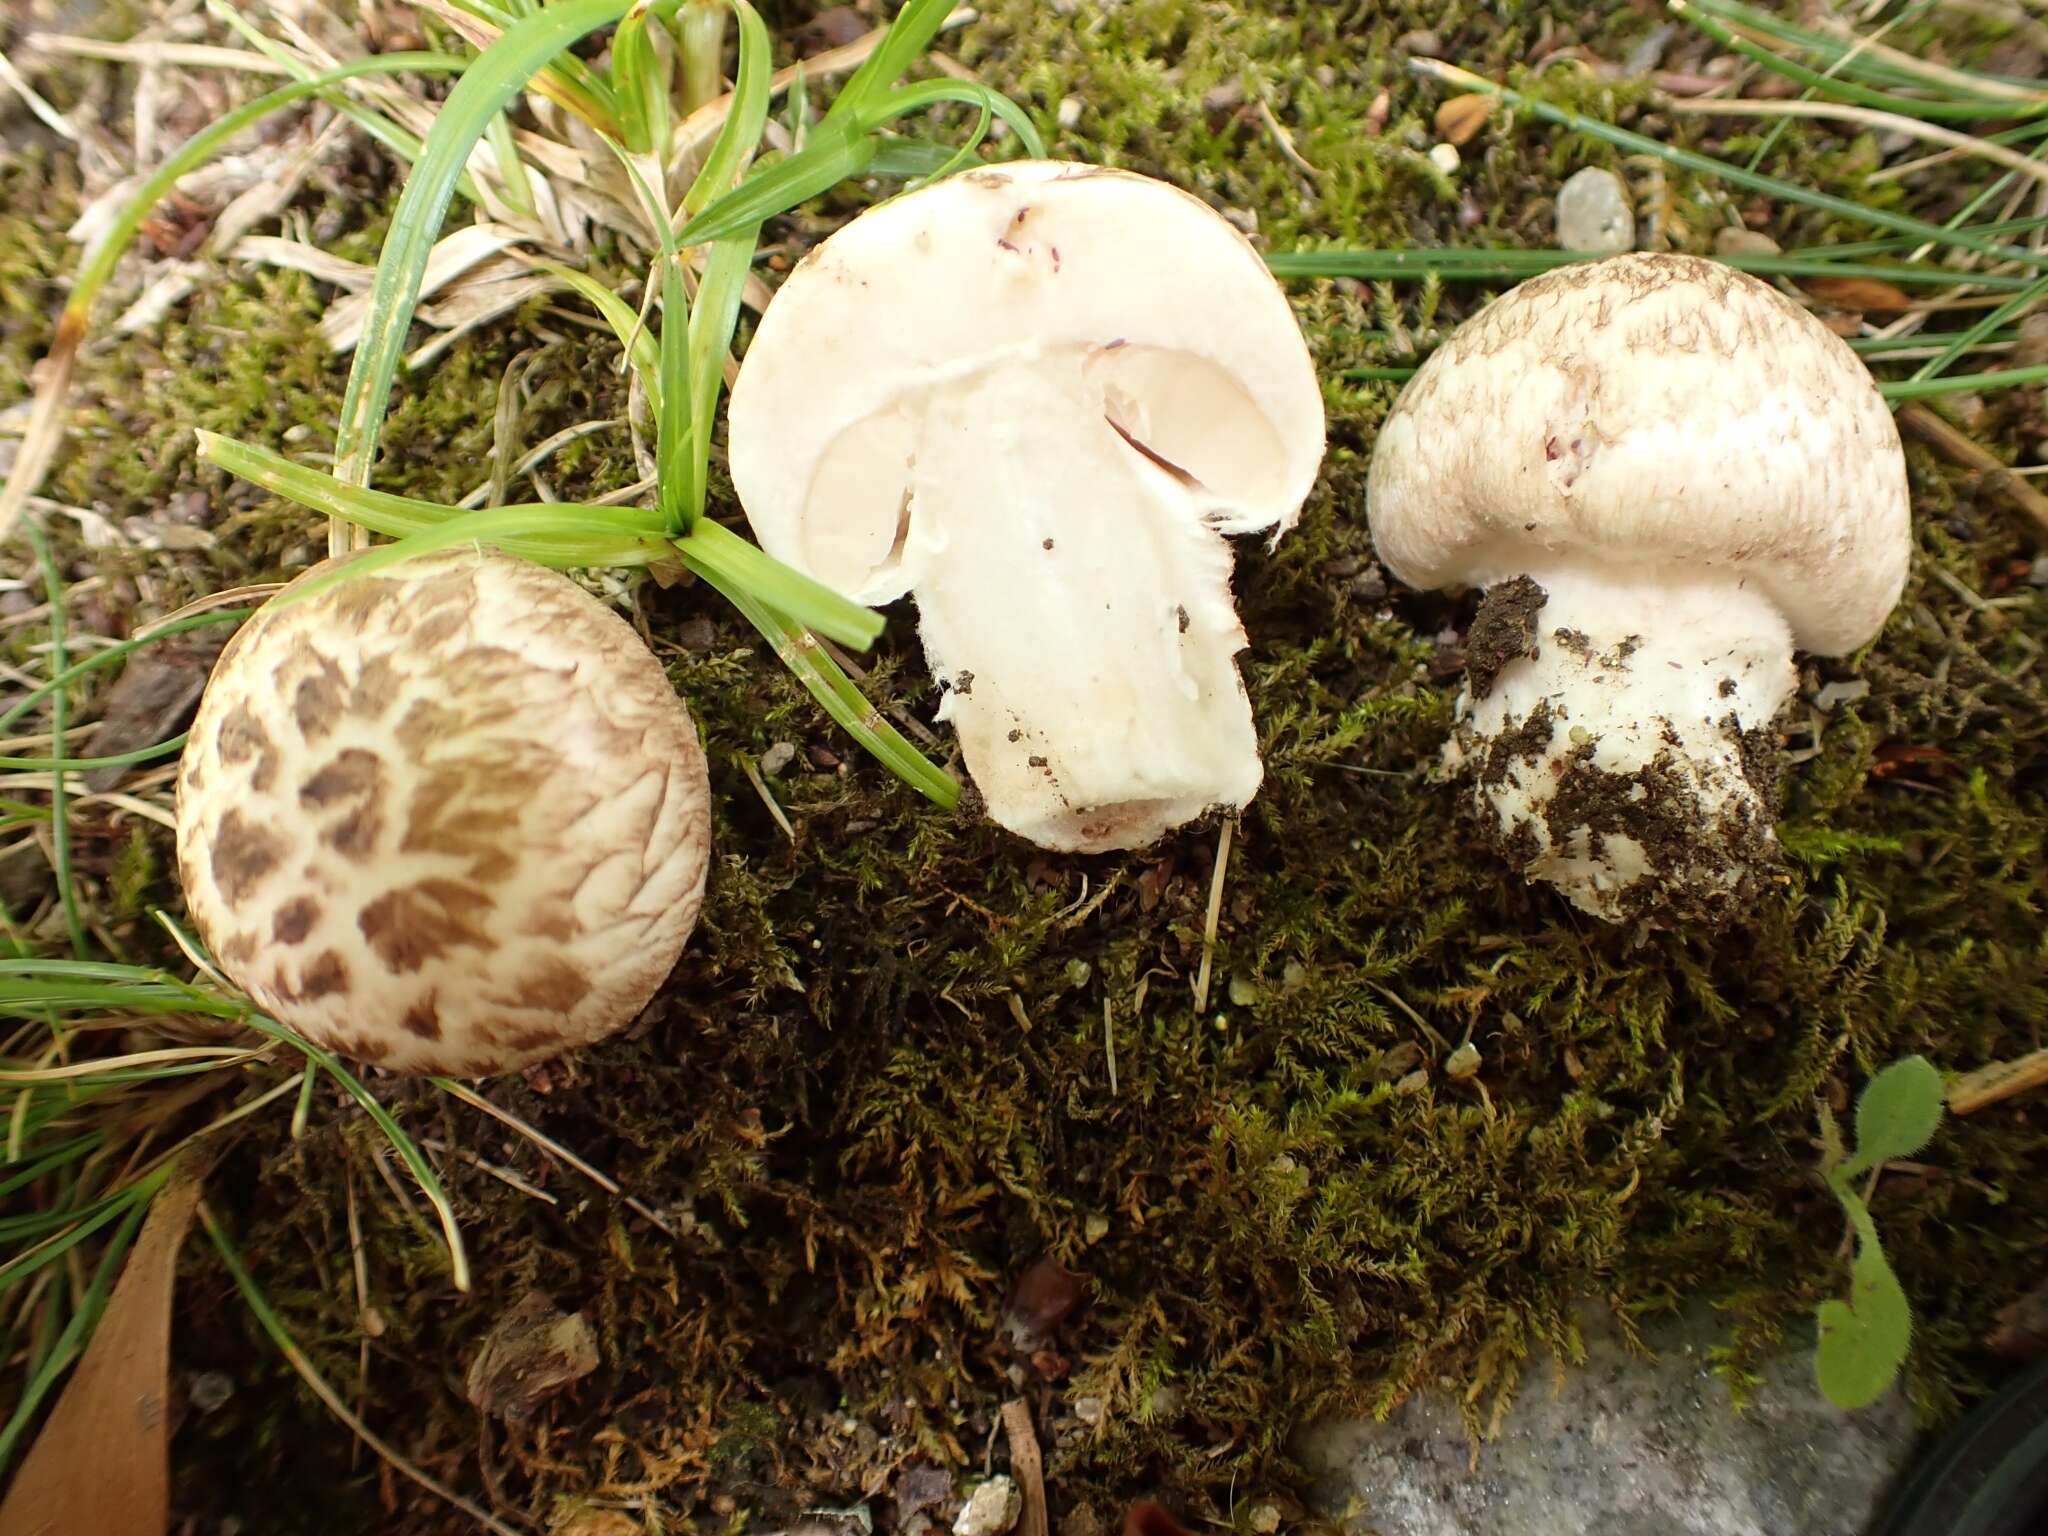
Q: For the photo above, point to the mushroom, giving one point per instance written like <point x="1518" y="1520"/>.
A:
<point x="447" y="816"/>
<point x="1665" y="474"/>
<point x="1037" y="397"/>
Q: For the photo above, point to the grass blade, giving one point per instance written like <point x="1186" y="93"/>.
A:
<point x="831" y="687"/>
<point x="1484" y="266"/>
<point x="559" y="534"/>
<point x="1957" y="383"/>
<point x="39" y="442"/>
<point x="273" y="1325"/>
<point x="642" y="354"/>
<point x="723" y="558"/>
<point x="906" y="40"/>
<point x="930" y="93"/>
<point x="636" y="77"/>
<point x="409" y="1153"/>
<point x="485" y="88"/>
<point x="1849" y="90"/>
<point x="678" y="483"/>
<point x="712" y="324"/>
<point x="60" y="706"/>
<point x="836" y="151"/>
<point x="2011" y="309"/>
<point x="741" y="130"/>
<point x="1706" y="165"/>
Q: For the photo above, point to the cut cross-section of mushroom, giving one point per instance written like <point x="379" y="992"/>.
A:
<point x="1037" y="397"/>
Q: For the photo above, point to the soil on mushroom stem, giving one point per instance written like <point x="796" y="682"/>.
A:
<point x="839" y="1107"/>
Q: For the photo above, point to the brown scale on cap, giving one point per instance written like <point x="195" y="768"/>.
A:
<point x="446" y="817"/>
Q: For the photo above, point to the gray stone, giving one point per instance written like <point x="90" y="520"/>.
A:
<point x="1625" y="1446"/>
<point x="1734" y="240"/>
<point x="2038" y="576"/>
<point x="1593" y="214"/>
<point x="991" y="1509"/>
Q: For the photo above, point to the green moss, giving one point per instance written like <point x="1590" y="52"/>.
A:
<point x="878" y="1084"/>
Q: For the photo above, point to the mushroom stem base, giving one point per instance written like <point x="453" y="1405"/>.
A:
<point x="1616" y="736"/>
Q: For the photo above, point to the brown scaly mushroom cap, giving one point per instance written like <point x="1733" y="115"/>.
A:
<point x="444" y="817"/>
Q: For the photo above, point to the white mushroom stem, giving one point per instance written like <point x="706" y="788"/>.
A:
<point x="1634" y="709"/>
<point x="1078" y="609"/>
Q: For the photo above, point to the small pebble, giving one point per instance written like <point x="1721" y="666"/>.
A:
<point x="991" y="1509"/>
<point x="1265" y="1519"/>
<point x="1070" y="111"/>
<point x="1427" y="45"/>
<point x="210" y="1390"/>
<point x="2038" y="576"/>
<point x="2031" y="350"/>
<point x="1088" y="1410"/>
<point x="1734" y="240"/>
<point x="1462" y="1063"/>
<point x="1593" y="214"/>
<point x="777" y="758"/>
<point x="1444" y="157"/>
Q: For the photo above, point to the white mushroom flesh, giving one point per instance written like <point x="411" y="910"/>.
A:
<point x="998" y="395"/>
<point x="445" y="817"/>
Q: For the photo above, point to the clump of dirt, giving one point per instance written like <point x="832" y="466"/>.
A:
<point x="1503" y="629"/>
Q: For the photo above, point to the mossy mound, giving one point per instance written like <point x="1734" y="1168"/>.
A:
<point x="881" y="1082"/>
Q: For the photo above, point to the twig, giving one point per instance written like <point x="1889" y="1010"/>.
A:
<point x="1869" y="117"/>
<point x="1109" y="1046"/>
<point x="288" y="1347"/>
<point x="52" y="119"/>
<point x="775" y="811"/>
<point x="547" y="1144"/>
<point x="1027" y="1466"/>
<point x="1961" y="448"/>
<point x="361" y="1265"/>
<point x="1215" y="914"/>
<point x="2000" y="1081"/>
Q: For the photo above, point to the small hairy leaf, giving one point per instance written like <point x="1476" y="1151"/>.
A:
<point x="1897" y="1115"/>
<point x="1863" y="1341"/>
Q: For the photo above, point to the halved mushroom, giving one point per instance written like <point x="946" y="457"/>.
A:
<point x="444" y="817"/>
<point x="1036" y="397"/>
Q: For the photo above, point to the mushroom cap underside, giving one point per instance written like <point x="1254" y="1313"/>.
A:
<point x="448" y="816"/>
<point x="1650" y="409"/>
<point x="1108" y="286"/>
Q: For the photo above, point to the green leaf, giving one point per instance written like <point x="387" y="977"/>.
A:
<point x="908" y="37"/>
<point x="799" y="650"/>
<point x="618" y="314"/>
<point x="1864" y="1340"/>
<point x="1973" y="109"/>
<point x="1706" y="165"/>
<point x="741" y="130"/>
<point x="930" y="93"/>
<point x="485" y="88"/>
<point x="712" y="323"/>
<point x="556" y="534"/>
<point x="723" y="558"/>
<point x="1898" y="1114"/>
<point x="637" y="76"/>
